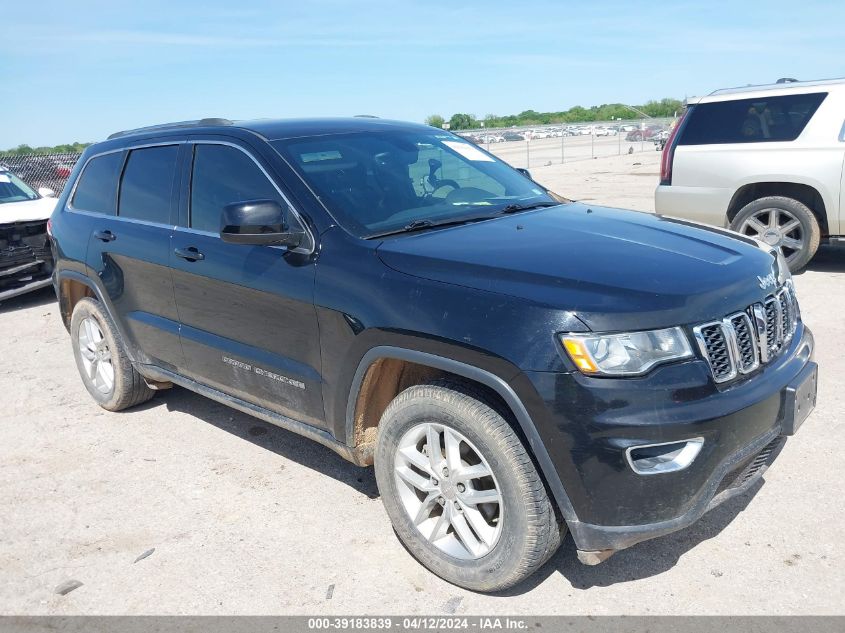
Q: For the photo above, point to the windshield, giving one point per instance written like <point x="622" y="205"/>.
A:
<point x="13" y="189"/>
<point x="377" y="182"/>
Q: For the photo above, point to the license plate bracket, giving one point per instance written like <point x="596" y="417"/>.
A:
<point x="800" y="398"/>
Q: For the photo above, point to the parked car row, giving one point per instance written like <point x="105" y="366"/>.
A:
<point x="41" y="170"/>
<point x="634" y="132"/>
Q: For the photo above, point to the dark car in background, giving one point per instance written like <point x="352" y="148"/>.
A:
<point x="514" y="364"/>
<point x="647" y="133"/>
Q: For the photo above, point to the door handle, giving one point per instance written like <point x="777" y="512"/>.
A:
<point x="191" y="254"/>
<point x="105" y="236"/>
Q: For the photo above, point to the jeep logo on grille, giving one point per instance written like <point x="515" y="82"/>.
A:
<point x="767" y="281"/>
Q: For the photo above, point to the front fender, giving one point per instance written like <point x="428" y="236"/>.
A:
<point x="476" y="374"/>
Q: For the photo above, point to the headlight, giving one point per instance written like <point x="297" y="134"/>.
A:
<point x="625" y="354"/>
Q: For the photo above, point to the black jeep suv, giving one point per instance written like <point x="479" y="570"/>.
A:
<point x="513" y="363"/>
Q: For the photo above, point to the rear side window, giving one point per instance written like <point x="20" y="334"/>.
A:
<point x="759" y="120"/>
<point x="223" y="175"/>
<point x="97" y="187"/>
<point x="147" y="184"/>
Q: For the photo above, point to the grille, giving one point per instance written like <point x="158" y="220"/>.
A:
<point x="717" y="350"/>
<point x="758" y="462"/>
<point x="741" y="475"/>
<point x="747" y="359"/>
<point x="741" y="342"/>
<point x="787" y="309"/>
<point x="15" y="256"/>
<point x="773" y="324"/>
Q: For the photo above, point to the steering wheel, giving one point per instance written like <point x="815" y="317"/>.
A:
<point x="439" y="184"/>
<point x="435" y="182"/>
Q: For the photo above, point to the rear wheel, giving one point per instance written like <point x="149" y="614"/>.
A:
<point x="104" y="367"/>
<point x="783" y="223"/>
<point x="462" y="493"/>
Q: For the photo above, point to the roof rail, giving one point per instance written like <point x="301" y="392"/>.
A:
<point x="208" y="122"/>
<point x="786" y="80"/>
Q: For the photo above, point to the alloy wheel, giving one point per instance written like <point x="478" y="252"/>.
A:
<point x="448" y="490"/>
<point x="96" y="355"/>
<point x="778" y="228"/>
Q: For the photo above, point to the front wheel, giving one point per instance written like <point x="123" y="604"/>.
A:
<point x="784" y="223"/>
<point x="462" y="492"/>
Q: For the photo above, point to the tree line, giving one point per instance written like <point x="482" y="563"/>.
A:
<point x="67" y="148"/>
<point x="461" y="121"/>
<point x="606" y="112"/>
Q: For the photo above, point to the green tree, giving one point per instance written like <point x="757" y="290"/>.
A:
<point x="666" y="107"/>
<point x="56" y="149"/>
<point x="435" y="120"/>
<point x="462" y="122"/>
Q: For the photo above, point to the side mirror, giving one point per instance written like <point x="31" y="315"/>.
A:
<point x="258" y="222"/>
<point x="524" y="172"/>
<point x="46" y="192"/>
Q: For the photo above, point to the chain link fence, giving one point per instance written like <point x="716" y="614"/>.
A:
<point x="524" y="146"/>
<point x="41" y="170"/>
<point x="539" y="145"/>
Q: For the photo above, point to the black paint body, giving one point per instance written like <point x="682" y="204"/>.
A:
<point x="490" y="296"/>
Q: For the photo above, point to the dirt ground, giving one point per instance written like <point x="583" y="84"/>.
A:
<point x="239" y="517"/>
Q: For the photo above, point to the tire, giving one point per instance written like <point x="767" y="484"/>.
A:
<point x="521" y="529"/>
<point x="93" y="330"/>
<point x="773" y="214"/>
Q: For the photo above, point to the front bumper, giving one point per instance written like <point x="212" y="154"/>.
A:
<point x="587" y="423"/>
<point x="26" y="258"/>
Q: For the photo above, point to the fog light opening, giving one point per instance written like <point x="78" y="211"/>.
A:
<point x="666" y="457"/>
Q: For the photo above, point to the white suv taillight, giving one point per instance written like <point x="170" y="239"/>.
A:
<point x="669" y="153"/>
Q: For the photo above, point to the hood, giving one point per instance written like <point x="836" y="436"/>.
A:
<point x="27" y="211"/>
<point x="614" y="269"/>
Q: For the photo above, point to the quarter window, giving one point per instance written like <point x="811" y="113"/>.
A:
<point x="224" y="175"/>
<point x="147" y="185"/>
<point x="97" y="185"/>
<point x="760" y="120"/>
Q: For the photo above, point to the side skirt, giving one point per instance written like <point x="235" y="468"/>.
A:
<point x="320" y="436"/>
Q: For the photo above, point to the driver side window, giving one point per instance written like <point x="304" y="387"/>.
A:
<point x="223" y="175"/>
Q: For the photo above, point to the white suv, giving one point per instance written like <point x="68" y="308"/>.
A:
<point x="766" y="161"/>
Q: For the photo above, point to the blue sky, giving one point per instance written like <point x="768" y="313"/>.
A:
<point x="76" y="71"/>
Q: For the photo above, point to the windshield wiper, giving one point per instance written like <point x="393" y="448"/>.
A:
<point x="421" y="225"/>
<point x="513" y="208"/>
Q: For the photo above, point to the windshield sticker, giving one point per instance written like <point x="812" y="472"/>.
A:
<point x="5" y="178"/>
<point x="468" y="151"/>
<point x="315" y="156"/>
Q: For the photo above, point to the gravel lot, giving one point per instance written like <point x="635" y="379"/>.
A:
<point x="245" y="518"/>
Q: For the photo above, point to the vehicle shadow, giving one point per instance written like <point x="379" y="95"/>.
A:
<point x="828" y="259"/>
<point x="643" y="560"/>
<point x="34" y="299"/>
<point x="289" y="445"/>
